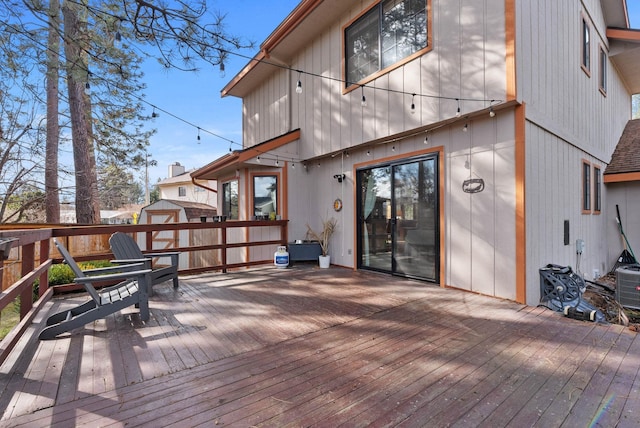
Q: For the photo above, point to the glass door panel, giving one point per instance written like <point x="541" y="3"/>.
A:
<point x="398" y="211"/>
<point x="414" y="232"/>
<point x="375" y="208"/>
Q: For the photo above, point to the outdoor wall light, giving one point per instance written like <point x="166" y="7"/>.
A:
<point x="339" y="177"/>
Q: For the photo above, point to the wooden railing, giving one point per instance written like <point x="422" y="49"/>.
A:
<point x="21" y="272"/>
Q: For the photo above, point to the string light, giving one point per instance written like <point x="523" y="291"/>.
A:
<point x="364" y="99"/>
<point x="198" y="134"/>
<point x="154" y="114"/>
<point x="393" y="148"/>
<point x="426" y="137"/>
<point x="491" y="112"/>
<point x="465" y="128"/>
<point x="258" y="159"/>
<point x="277" y="163"/>
<point x="413" y="105"/>
<point x="458" y="111"/>
<point x="368" y="152"/>
<point x="117" y="40"/>
<point x="299" y="84"/>
<point x="293" y="165"/>
<point x="87" y="88"/>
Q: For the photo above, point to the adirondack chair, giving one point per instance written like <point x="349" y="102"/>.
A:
<point x="131" y="291"/>
<point x="126" y="250"/>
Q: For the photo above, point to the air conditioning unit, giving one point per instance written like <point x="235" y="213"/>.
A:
<point x="628" y="286"/>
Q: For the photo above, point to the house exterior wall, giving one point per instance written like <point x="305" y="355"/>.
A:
<point x="625" y="195"/>
<point x="568" y="121"/>
<point x="193" y="193"/>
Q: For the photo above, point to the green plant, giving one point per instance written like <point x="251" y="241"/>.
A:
<point x="323" y="237"/>
<point x="61" y="274"/>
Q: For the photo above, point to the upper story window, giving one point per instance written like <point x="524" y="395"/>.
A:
<point x="182" y="191"/>
<point x="603" y="71"/>
<point x="586" y="46"/>
<point x="386" y="34"/>
<point x="265" y="195"/>
<point x="230" y="199"/>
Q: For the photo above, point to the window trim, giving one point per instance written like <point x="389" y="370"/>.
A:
<point x="253" y="176"/>
<point x="350" y="87"/>
<point x="586" y="194"/>
<point x="585" y="45"/>
<point x="597" y="189"/>
<point x="603" y="61"/>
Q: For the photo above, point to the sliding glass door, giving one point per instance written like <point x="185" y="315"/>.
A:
<point x="398" y="218"/>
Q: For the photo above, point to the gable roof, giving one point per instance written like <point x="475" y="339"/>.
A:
<point x="625" y="161"/>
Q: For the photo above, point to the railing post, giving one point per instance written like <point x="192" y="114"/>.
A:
<point x="223" y="236"/>
<point x="44" y="278"/>
<point x="26" y="297"/>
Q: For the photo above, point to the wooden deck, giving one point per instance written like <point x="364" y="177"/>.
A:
<point x="309" y="347"/>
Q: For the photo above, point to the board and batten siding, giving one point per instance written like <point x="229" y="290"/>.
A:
<point x="568" y="121"/>
<point x="480" y="228"/>
<point x="467" y="61"/>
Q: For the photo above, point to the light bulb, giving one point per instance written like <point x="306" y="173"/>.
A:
<point x="426" y="139"/>
<point x="413" y="108"/>
<point x="491" y="112"/>
<point x="465" y="128"/>
<point x="258" y="159"/>
<point x="458" y="112"/>
<point x="299" y="87"/>
<point x="87" y="88"/>
<point x="364" y="101"/>
<point x="117" y="40"/>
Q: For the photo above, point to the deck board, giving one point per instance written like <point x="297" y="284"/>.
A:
<point x="310" y="347"/>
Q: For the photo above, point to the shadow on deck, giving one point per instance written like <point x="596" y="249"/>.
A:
<point x="306" y="346"/>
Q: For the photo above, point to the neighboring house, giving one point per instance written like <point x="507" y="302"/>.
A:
<point x="462" y="143"/>
<point x="180" y="187"/>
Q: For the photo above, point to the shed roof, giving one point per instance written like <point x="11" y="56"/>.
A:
<point x="191" y="209"/>
<point x="625" y="161"/>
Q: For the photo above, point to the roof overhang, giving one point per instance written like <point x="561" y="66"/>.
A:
<point x="624" y="52"/>
<point x="229" y="163"/>
<point x="309" y="19"/>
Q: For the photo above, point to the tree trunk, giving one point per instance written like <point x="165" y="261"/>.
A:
<point x="75" y="38"/>
<point x="52" y="193"/>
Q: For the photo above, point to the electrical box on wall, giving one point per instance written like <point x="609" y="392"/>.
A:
<point x="579" y="246"/>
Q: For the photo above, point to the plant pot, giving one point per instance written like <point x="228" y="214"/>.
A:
<point x="324" y="261"/>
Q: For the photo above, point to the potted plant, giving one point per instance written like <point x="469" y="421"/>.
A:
<point x="323" y="237"/>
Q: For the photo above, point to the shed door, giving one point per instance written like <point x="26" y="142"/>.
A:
<point x="398" y="218"/>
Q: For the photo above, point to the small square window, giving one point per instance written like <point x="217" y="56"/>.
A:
<point x="182" y="191"/>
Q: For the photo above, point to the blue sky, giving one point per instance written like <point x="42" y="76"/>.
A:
<point x="195" y="97"/>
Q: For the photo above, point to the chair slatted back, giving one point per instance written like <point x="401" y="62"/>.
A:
<point x="76" y="270"/>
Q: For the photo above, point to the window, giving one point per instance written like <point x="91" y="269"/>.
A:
<point x="182" y="191"/>
<point x="596" y="189"/>
<point x="586" y="47"/>
<point x="586" y="187"/>
<point x="230" y="200"/>
<point x="389" y="32"/>
<point x="265" y="195"/>
<point x="603" y="71"/>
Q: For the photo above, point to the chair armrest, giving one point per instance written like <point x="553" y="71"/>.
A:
<point x="115" y="269"/>
<point x="169" y="254"/>
<point x="121" y="275"/>
<point x="129" y="261"/>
